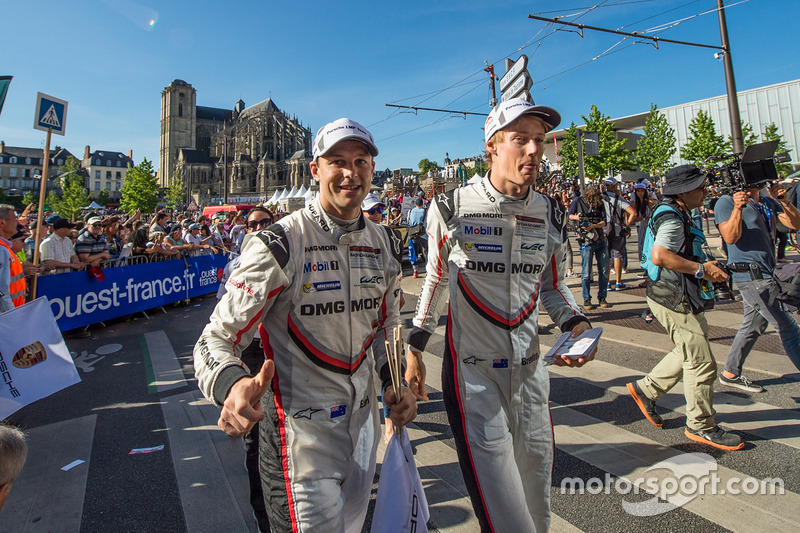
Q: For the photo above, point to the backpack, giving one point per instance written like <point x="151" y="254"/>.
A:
<point x="786" y="284"/>
<point x="661" y="211"/>
<point x="699" y="293"/>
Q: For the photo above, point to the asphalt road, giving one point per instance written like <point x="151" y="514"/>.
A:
<point x="138" y="392"/>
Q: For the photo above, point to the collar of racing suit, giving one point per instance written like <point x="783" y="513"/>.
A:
<point x="496" y="197"/>
<point x="331" y="229"/>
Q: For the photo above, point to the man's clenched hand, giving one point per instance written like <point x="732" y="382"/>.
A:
<point x="242" y="408"/>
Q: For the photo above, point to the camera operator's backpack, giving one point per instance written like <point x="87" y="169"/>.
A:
<point x="659" y="213"/>
<point x="786" y="286"/>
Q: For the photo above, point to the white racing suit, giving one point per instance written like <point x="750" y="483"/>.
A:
<point x="500" y="257"/>
<point x="324" y="298"/>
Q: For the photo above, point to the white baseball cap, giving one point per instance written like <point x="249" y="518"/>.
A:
<point x="610" y="180"/>
<point x="342" y="130"/>
<point x="507" y="112"/>
<point x="369" y="202"/>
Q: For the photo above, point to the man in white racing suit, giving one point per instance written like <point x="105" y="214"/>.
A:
<point x="498" y="246"/>
<point x="322" y="285"/>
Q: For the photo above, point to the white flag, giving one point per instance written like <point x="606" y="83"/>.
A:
<point x="34" y="360"/>
<point x="401" y="504"/>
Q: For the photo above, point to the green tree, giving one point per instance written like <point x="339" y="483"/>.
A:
<point x="28" y="198"/>
<point x="140" y="188"/>
<point x="704" y="141"/>
<point x="614" y="157"/>
<point x="771" y="134"/>
<point x="657" y="145"/>
<point x="103" y="198"/>
<point x="175" y="193"/>
<point x="426" y="164"/>
<point x="52" y="200"/>
<point x="73" y="191"/>
<point x="568" y="152"/>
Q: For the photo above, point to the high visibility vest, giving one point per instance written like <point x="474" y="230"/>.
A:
<point x="18" y="287"/>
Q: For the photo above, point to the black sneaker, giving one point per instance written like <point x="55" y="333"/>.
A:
<point x="740" y="382"/>
<point x="646" y="405"/>
<point x="604" y="304"/>
<point x="587" y="304"/>
<point x="648" y="316"/>
<point x="716" y="437"/>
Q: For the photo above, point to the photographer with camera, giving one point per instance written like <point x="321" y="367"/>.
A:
<point x="619" y="217"/>
<point x="678" y="298"/>
<point x="590" y="216"/>
<point x="747" y="222"/>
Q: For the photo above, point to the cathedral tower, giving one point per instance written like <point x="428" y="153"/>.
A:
<point x="178" y="126"/>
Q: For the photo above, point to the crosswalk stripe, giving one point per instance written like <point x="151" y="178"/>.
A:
<point x="167" y="373"/>
<point x="626" y="454"/>
<point x="44" y="497"/>
<point x="734" y="412"/>
<point x="209" y="466"/>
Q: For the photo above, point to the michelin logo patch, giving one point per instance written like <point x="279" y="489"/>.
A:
<point x="321" y="286"/>
<point x="480" y="247"/>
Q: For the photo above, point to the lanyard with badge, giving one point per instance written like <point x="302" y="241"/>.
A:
<point x="763" y="210"/>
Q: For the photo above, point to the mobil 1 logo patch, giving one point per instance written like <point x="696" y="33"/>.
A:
<point x="529" y="227"/>
<point x="366" y="257"/>
<point x="471" y="229"/>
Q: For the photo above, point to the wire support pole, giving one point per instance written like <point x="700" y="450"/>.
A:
<point x="656" y="40"/>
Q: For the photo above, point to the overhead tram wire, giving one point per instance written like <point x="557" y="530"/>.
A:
<point x="657" y="29"/>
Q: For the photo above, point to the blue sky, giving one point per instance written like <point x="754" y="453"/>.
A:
<point x="323" y="60"/>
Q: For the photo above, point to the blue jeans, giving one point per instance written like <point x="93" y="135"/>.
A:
<point x="757" y="314"/>
<point x="598" y="251"/>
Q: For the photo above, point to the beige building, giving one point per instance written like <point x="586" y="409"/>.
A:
<point x="106" y="171"/>
<point x="243" y="152"/>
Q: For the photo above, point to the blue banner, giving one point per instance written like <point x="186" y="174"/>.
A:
<point x="78" y="299"/>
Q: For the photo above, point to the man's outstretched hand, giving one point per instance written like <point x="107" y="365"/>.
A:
<point x="242" y="408"/>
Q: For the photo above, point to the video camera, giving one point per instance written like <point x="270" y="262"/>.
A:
<point x="754" y="167"/>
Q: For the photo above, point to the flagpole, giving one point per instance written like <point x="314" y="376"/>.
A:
<point x="40" y="215"/>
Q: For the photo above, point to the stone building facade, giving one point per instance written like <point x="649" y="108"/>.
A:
<point x="106" y="171"/>
<point x="244" y="152"/>
<point x="21" y="168"/>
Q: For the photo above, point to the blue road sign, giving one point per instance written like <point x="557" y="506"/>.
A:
<point x="51" y="113"/>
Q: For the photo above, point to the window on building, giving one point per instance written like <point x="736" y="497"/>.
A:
<point x="117" y="185"/>
<point x="27" y="160"/>
<point x="119" y="175"/>
<point x="27" y="173"/>
<point x="2" y="159"/>
<point x="97" y="185"/>
<point x="108" y="185"/>
<point x="108" y="174"/>
<point x="119" y="163"/>
<point x="12" y="172"/>
<point x="13" y="160"/>
<point x="97" y="162"/>
<point x="59" y="162"/>
<point x="97" y="174"/>
<point x="108" y="162"/>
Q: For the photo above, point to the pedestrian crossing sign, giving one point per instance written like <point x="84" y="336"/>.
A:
<point x="51" y="113"/>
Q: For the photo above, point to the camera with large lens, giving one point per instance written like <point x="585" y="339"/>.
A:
<point x="753" y="168"/>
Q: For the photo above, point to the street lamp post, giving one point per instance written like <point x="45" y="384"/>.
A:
<point x="730" y="82"/>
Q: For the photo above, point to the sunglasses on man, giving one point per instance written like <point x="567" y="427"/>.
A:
<point x="374" y="210"/>
<point x="263" y="223"/>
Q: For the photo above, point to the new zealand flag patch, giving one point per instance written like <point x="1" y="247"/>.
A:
<point x="339" y="410"/>
<point x="500" y="363"/>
